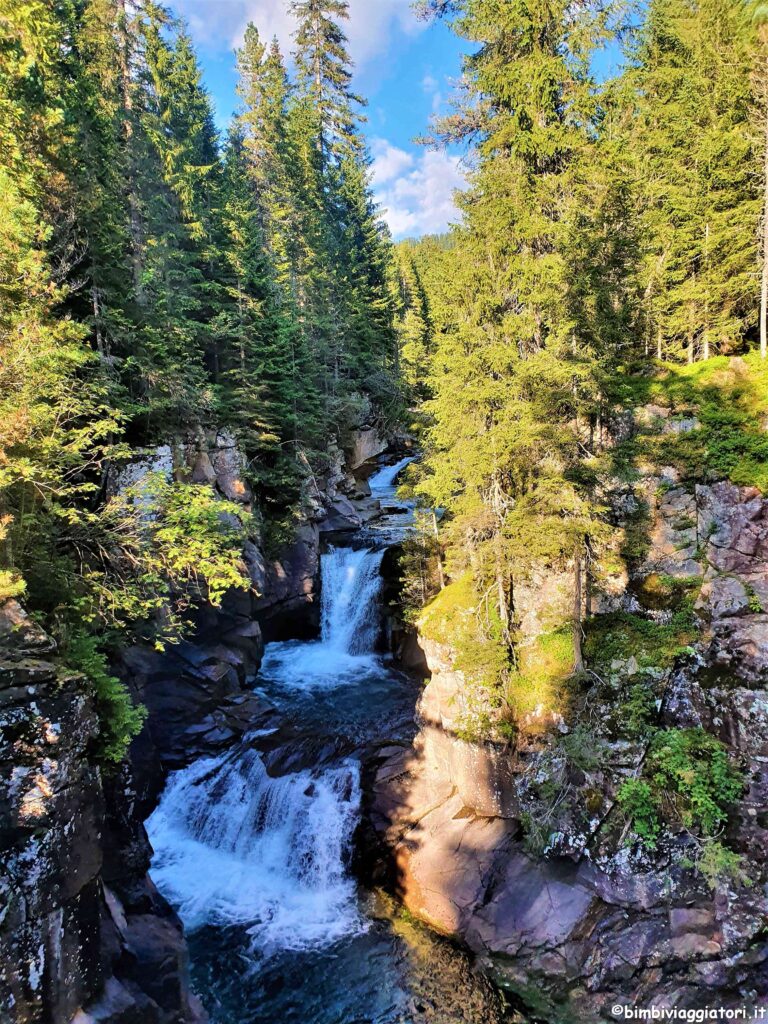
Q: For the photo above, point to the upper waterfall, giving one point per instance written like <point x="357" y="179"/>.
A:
<point x="350" y="584"/>
<point x="384" y="483"/>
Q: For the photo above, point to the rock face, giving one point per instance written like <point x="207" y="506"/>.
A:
<point x="584" y="921"/>
<point x="81" y="920"/>
<point x="84" y="935"/>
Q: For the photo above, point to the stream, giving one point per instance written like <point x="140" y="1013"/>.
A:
<point x="254" y="849"/>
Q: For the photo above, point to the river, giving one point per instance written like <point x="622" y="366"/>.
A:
<point x="254" y="851"/>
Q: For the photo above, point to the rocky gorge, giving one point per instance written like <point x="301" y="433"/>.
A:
<point x="517" y="849"/>
<point x="84" y="934"/>
<point x="520" y="847"/>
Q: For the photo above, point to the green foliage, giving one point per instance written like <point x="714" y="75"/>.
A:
<point x="153" y="286"/>
<point x="688" y="781"/>
<point x="120" y="718"/>
<point x="583" y="748"/>
<point x="158" y="548"/>
<point x="640" y="804"/>
<point x="622" y="635"/>
<point x="638" y="710"/>
<point x="728" y="398"/>
<point x="719" y="866"/>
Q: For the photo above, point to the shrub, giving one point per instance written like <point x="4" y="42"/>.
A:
<point x="717" y="864"/>
<point x="688" y="781"/>
<point x="119" y="717"/>
<point x="640" y="804"/>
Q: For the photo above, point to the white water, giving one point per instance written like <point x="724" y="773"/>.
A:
<point x="351" y="582"/>
<point x="384" y="483"/>
<point x="234" y="846"/>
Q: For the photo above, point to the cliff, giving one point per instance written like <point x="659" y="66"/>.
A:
<point x="521" y="846"/>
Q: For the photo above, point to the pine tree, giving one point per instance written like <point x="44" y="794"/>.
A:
<point x="344" y="233"/>
<point x="175" y="174"/>
<point x="691" y="138"/>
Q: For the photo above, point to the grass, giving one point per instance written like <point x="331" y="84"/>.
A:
<point x="728" y="397"/>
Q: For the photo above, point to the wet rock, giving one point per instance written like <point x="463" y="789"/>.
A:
<point x="60" y="949"/>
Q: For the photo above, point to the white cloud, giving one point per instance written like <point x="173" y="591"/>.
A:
<point x="388" y="162"/>
<point x="221" y="23"/>
<point x="416" y="192"/>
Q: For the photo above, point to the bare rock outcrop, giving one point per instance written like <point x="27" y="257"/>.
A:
<point x="83" y="933"/>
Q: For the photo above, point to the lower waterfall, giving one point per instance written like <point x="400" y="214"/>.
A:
<point x="234" y="846"/>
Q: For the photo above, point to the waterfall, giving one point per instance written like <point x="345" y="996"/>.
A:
<point x="234" y="846"/>
<point x="350" y="587"/>
<point x="384" y="483"/>
<point x="349" y="624"/>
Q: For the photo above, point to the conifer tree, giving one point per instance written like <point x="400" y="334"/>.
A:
<point x="511" y="373"/>
<point x="692" y="141"/>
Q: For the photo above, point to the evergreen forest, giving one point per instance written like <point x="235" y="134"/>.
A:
<point x="159" y="278"/>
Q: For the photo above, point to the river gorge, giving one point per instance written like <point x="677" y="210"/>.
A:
<point x="255" y="847"/>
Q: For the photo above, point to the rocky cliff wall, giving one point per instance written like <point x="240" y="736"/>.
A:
<point x="584" y="919"/>
<point x="84" y="934"/>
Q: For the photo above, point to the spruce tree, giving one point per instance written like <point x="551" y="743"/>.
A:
<point x="690" y="135"/>
<point x="512" y="371"/>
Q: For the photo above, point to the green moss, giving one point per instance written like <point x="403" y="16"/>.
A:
<point x="543" y="678"/>
<point x="622" y="635"/>
<point x="661" y="592"/>
<point x="472" y="629"/>
<point x="450" y="611"/>
<point x="729" y="398"/>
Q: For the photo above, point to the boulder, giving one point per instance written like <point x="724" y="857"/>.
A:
<point x="364" y="444"/>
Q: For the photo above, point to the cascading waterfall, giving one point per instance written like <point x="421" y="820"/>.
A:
<point x="384" y="483"/>
<point x="351" y="582"/>
<point x="257" y="864"/>
<point x="235" y="846"/>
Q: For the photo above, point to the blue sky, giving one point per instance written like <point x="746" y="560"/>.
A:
<point x="404" y="67"/>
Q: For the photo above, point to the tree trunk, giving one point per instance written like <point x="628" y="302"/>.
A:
<point x="764" y="277"/>
<point x="133" y="200"/>
<point x="440" y="569"/>
<point x="578" y="657"/>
